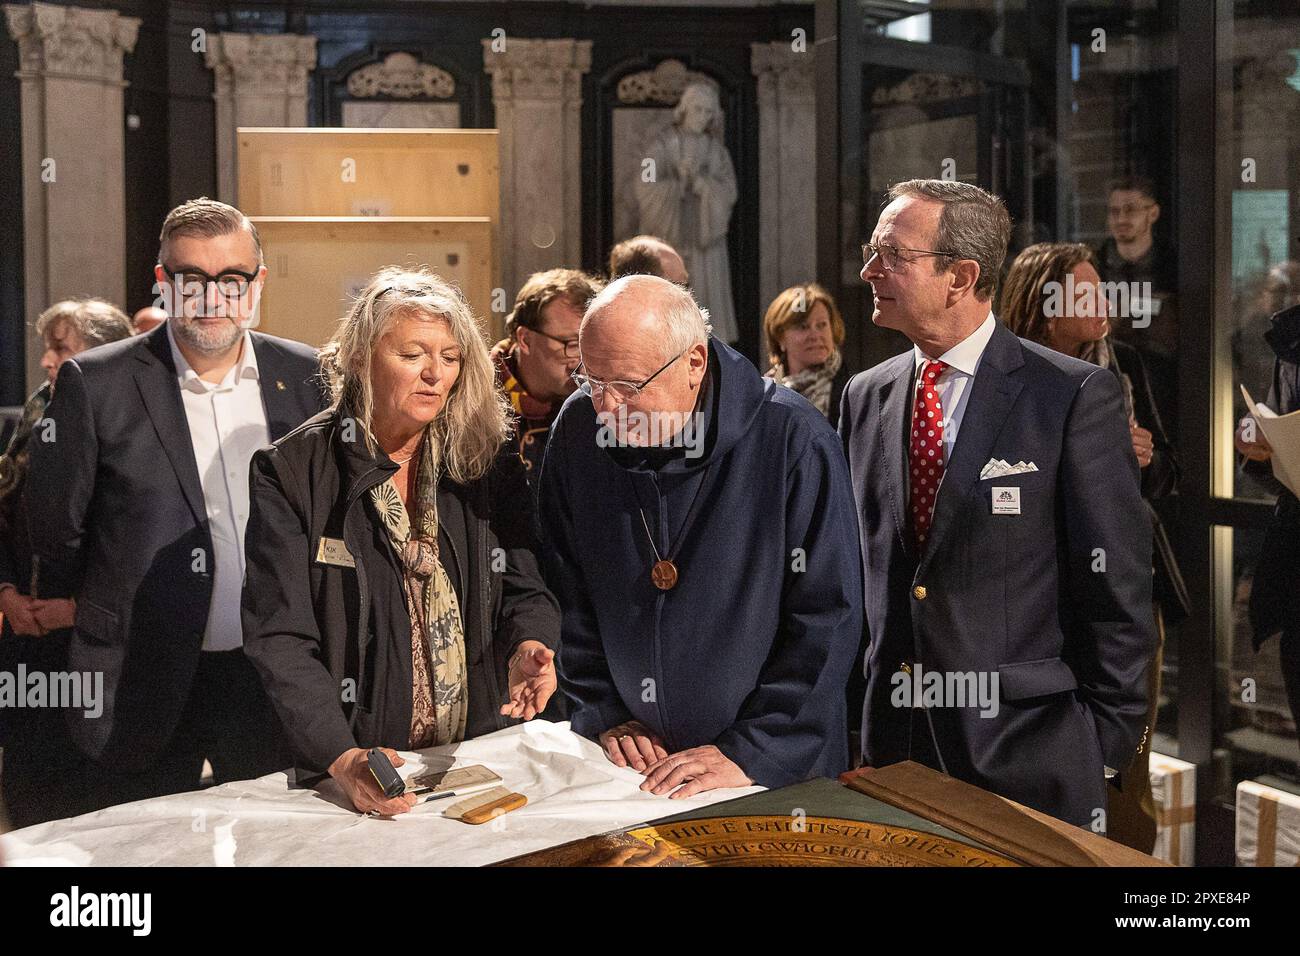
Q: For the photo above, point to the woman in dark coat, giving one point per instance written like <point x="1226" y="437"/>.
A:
<point x="1052" y="295"/>
<point x="392" y="596"/>
<point x="1275" y="594"/>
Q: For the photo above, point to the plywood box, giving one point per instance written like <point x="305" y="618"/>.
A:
<point x="376" y="172"/>
<point x="317" y="264"/>
<point x="1268" y="826"/>
<point x="1173" y="791"/>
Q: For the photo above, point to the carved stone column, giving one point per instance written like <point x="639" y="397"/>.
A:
<point x="537" y="91"/>
<point x="261" y="80"/>
<point x="74" y="206"/>
<point x="787" y="133"/>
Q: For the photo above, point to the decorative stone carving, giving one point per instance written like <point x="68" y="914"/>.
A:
<point x="261" y="80"/>
<point x="538" y="69"/>
<point x="401" y="76"/>
<point x="685" y="192"/>
<point x="74" y="205"/>
<point x="261" y="64"/>
<point x="72" y="42"/>
<point x="662" y="86"/>
<point x="537" y="92"/>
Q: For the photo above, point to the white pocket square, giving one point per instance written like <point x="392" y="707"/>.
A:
<point x="997" y="468"/>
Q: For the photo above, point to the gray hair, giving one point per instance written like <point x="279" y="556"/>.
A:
<point x="974" y="224"/>
<point x="684" y="321"/>
<point x="95" y="321"/>
<point x="475" y="421"/>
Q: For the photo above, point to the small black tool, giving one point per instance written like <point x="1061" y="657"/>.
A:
<point x="386" y="775"/>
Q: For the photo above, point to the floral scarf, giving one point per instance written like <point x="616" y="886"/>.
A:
<point x="814" y="382"/>
<point x="439" y="694"/>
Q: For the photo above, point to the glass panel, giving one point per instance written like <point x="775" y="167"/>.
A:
<point x="1256" y="729"/>
<point x="1067" y="111"/>
<point x="1258" y="152"/>
<point x="1263" y="146"/>
<point x="985" y="26"/>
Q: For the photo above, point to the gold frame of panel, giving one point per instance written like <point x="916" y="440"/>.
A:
<point x="316" y="264"/>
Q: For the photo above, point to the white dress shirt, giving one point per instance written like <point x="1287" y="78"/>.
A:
<point x="953" y="386"/>
<point x="227" y="425"/>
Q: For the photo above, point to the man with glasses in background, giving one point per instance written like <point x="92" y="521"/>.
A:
<point x="535" y="360"/>
<point x="1144" y="314"/>
<point x="698" y="532"/>
<point x="1006" y="546"/>
<point x="140" y="489"/>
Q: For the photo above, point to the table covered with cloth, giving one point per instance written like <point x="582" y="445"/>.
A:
<point x="573" y="791"/>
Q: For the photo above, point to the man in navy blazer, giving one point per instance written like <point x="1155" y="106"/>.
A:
<point x="138" y="497"/>
<point x="1006" y="549"/>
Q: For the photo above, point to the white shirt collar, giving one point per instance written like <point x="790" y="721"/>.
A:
<point x="965" y="355"/>
<point x="189" y="379"/>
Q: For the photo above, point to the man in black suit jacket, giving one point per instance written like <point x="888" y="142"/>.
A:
<point x="1008" y="606"/>
<point x="138" y="497"/>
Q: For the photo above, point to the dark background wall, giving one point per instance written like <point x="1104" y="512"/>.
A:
<point x="170" y="154"/>
<point x="712" y="40"/>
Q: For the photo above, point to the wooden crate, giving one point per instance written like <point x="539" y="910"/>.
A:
<point x="368" y="172"/>
<point x="317" y="264"/>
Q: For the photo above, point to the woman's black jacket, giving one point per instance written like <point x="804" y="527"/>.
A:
<point x="327" y="625"/>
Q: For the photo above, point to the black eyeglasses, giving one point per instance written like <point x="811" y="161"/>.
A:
<point x="889" y="254"/>
<point x="570" y="345"/>
<point x="1128" y="209"/>
<point x="625" y="392"/>
<point x="193" y="283"/>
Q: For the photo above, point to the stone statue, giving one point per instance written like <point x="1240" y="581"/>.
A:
<point x="686" y="197"/>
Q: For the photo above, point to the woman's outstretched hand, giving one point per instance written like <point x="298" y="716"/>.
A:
<point x="531" y="679"/>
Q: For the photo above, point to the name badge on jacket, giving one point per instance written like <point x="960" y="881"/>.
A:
<point x="1006" y="501"/>
<point x="334" y="551"/>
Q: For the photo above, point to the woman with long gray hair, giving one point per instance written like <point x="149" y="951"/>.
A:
<point x="392" y="596"/>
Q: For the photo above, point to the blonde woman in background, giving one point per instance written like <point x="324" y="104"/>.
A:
<point x="804" y="336"/>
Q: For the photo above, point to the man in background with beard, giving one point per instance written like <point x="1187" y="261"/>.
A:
<point x="138" y="499"/>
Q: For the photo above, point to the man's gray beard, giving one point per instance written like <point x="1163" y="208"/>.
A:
<point x="203" y="340"/>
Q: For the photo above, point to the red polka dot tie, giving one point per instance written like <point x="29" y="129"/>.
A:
<point x="925" y="458"/>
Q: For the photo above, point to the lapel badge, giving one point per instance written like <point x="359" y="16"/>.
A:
<point x="279" y="385"/>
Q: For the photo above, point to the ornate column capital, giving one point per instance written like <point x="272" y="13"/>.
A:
<point x="780" y="69"/>
<point x="268" y="64"/>
<point x="71" y="42"/>
<point x="260" y="80"/>
<point x="538" y="69"/>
